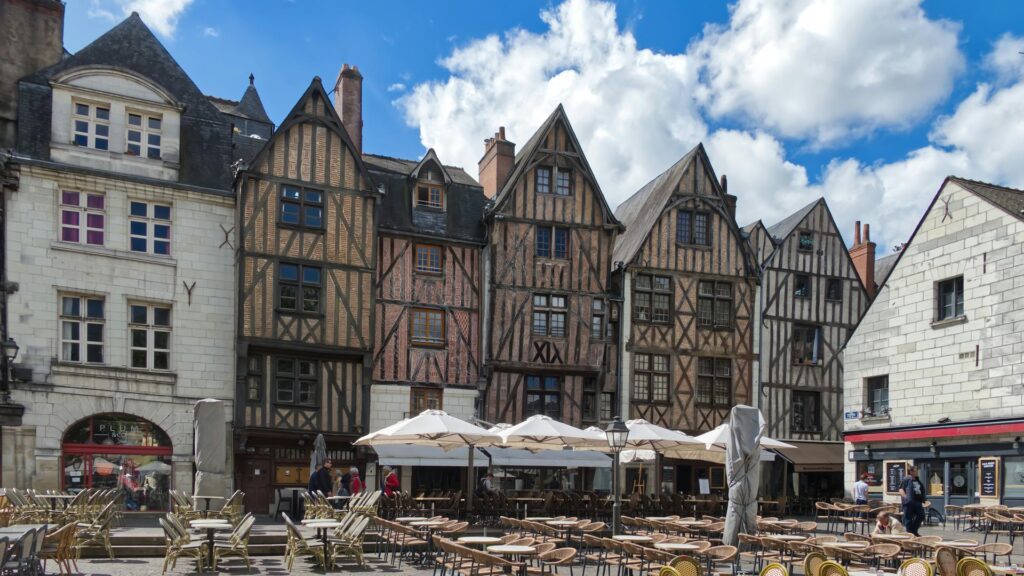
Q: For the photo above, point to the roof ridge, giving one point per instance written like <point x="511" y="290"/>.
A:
<point x="386" y="157"/>
<point x="219" y="99"/>
<point x="983" y="183"/>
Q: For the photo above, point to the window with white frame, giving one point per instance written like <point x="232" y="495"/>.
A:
<point x="549" y="315"/>
<point x="144" y="135"/>
<point x="91" y="125"/>
<point x="149" y="327"/>
<point x="150" y="228"/>
<point x="82" y="218"/>
<point x="81" y="328"/>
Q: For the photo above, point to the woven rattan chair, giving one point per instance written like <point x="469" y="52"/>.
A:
<point x="551" y="560"/>
<point x="774" y="569"/>
<point x="916" y="567"/>
<point x="972" y="567"/>
<point x="685" y="566"/>
<point x="813" y="562"/>
<point x="994" y="550"/>
<point x="830" y="568"/>
<point x="945" y="559"/>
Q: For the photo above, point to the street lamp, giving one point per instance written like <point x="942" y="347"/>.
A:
<point x="10" y="352"/>
<point x="617" y="434"/>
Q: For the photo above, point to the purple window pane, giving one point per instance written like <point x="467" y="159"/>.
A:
<point x="69" y="217"/>
<point x="94" y="220"/>
<point x="69" y="198"/>
<point x="69" y="234"/>
<point x="94" y="237"/>
<point x="95" y="201"/>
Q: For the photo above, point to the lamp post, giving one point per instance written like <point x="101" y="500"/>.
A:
<point x="617" y="434"/>
<point x="10" y="352"/>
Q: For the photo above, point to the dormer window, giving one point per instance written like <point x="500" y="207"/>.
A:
<point x="143" y="135"/>
<point x="91" y="128"/>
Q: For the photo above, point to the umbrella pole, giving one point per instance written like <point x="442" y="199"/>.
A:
<point x="470" y="484"/>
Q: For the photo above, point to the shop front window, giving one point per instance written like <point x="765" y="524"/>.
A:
<point x="121" y="452"/>
<point x="1014" y="482"/>
<point x="874" y="477"/>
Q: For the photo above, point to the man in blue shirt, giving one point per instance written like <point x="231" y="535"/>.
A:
<point x="912" y="494"/>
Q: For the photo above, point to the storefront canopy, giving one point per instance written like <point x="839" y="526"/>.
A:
<point x="814" y="456"/>
<point x="548" y="458"/>
<point x="408" y="455"/>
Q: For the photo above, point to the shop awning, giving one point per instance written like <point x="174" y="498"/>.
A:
<point x="511" y="457"/>
<point x="814" y="456"/>
<point x="409" y="455"/>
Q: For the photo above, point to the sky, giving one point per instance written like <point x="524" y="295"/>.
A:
<point x="869" y="103"/>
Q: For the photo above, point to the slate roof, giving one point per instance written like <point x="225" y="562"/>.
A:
<point x="883" y="267"/>
<point x="464" y="207"/>
<point x="406" y="167"/>
<point x="1009" y="199"/>
<point x="131" y="46"/>
<point x="531" y="146"/>
<point x="641" y="211"/>
<point x="783" y="229"/>
<point x="250" y="105"/>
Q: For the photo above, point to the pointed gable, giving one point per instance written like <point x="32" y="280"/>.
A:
<point x="251" y="106"/>
<point x="780" y="231"/>
<point x="555" y="142"/>
<point x="760" y="241"/>
<point x="429" y="161"/>
<point x="314" y="117"/>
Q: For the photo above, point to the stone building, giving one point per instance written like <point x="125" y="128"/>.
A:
<point x="933" y="370"/>
<point x="120" y="237"/>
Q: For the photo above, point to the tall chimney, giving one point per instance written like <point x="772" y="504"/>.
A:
<point x="730" y="199"/>
<point x="863" y="255"/>
<point x="497" y="162"/>
<point x="33" y="34"/>
<point x="348" y="101"/>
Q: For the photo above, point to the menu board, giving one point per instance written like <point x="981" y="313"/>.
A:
<point x="988" y="477"/>
<point x="894" y="473"/>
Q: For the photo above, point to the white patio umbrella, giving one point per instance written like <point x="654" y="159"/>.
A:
<point x="435" y="428"/>
<point x="644" y="435"/>
<point x="720" y="437"/>
<point x="542" y="432"/>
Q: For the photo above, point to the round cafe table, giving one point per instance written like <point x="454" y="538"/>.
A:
<point x="322" y="528"/>
<point x="538" y="518"/>
<point x="894" y="537"/>
<point x="211" y="526"/>
<point x="514" y="551"/>
<point x="847" y="545"/>
<point x="631" y="538"/>
<point x="1006" y="569"/>
<point x="789" y="537"/>
<point x="676" y="546"/>
<point x="479" y="540"/>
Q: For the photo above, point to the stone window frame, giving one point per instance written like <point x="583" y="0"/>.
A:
<point x="85" y="214"/>
<point x="145" y="131"/>
<point x="153" y="327"/>
<point x="82" y="320"/>
<point x="94" y="124"/>
<point x="151" y="222"/>
<point x="959" y="299"/>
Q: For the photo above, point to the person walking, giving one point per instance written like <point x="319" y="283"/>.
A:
<point x="912" y="494"/>
<point x="355" y="485"/>
<point x="391" y="484"/>
<point x="860" y="490"/>
<point x="323" y="481"/>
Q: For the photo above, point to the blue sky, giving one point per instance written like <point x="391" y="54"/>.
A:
<point x="867" y="102"/>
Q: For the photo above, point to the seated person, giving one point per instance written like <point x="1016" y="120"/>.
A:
<point x="886" y="524"/>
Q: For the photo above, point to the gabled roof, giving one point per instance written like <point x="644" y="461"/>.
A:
<point x="641" y="211"/>
<point x="1009" y="199"/>
<point x="883" y="267"/>
<point x="749" y="228"/>
<point x="410" y="167"/>
<point x="783" y="229"/>
<point x="329" y="119"/>
<point x="131" y="46"/>
<point x="532" y="145"/>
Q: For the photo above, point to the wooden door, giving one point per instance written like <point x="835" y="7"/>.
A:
<point x="256" y="484"/>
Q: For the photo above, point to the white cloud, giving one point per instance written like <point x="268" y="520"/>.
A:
<point x="396" y="87"/>
<point x="1007" y="58"/>
<point x="161" y="15"/>
<point x="615" y="94"/>
<point x="211" y="32"/>
<point x="637" y="111"/>
<point x="825" y="70"/>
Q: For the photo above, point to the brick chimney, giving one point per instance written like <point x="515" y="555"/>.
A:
<point x="730" y="200"/>
<point x="348" y="101"/>
<point x="497" y="162"/>
<point x="863" y="255"/>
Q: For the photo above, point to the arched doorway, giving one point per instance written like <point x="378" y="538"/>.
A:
<point x="119" y="451"/>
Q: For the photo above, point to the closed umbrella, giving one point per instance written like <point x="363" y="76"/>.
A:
<point x="542" y="432"/>
<point x="742" y="470"/>
<point x="435" y="428"/>
<point x="210" y="428"/>
<point x="319" y="453"/>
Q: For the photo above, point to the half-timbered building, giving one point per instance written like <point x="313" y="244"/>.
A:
<point x="306" y="218"/>
<point x="550" y="311"/>
<point x="809" y="300"/>
<point x="428" y="332"/>
<point x="688" y="279"/>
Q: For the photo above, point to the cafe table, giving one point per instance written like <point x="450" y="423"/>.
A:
<point x="322" y="527"/>
<point x="479" y="540"/>
<point x="517" y="552"/>
<point x="211" y="526"/>
<point x="1006" y="569"/>
<point x="676" y="546"/>
<point x="631" y="538"/>
<point x="429" y="526"/>
<point x="407" y="519"/>
<point x="846" y="545"/>
<point x="788" y="537"/>
<point x="899" y="537"/>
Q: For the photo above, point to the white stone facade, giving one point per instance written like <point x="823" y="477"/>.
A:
<point x="968" y="368"/>
<point x="45" y="268"/>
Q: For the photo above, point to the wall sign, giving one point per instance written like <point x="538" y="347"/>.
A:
<point x="988" y="477"/>
<point x="852" y="415"/>
<point x="895" y="471"/>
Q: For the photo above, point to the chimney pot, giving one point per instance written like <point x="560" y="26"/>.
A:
<point x="863" y="255"/>
<point x="497" y="163"/>
<point x="725" y="184"/>
<point x="501" y="132"/>
<point x="856" y="233"/>
<point x="867" y="232"/>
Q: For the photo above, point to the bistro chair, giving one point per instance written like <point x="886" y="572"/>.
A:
<point x="945" y="559"/>
<point x="916" y="567"/>
<point x="994" y="550"/>
<point x="830" y="568"/>
<point x="972" y="567"/>
<point x="813" y="562"/>
<point x="774" y="569"/>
